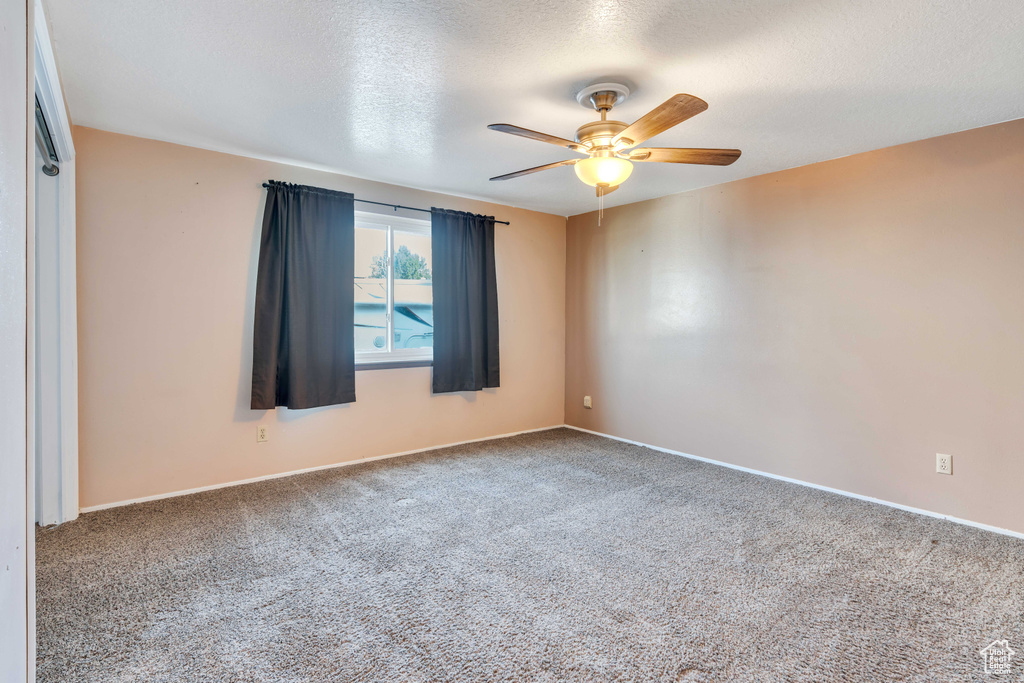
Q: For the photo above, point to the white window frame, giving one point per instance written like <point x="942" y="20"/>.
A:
<point x="389" y="355"/>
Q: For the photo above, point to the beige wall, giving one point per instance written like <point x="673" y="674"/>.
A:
<point x="167" y="249"/>
<point x="839" y="323"/>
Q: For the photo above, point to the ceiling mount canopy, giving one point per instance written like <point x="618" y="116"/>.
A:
<point x="603" y="91"/>
<point x="609" y="145"/>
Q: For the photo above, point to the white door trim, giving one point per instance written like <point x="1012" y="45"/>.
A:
<point x="51" y="100"/>
<point x="51" y="96"/>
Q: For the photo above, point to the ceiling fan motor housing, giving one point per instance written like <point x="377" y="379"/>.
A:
<point x="599" y="134"/>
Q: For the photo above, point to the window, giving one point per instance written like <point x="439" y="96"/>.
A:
<point x="394" y="310"/>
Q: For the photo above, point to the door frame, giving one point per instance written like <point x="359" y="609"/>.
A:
<point x="51" y="101"/>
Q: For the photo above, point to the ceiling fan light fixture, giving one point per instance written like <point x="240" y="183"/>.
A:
<point x="608" y="171"/>
<point x="611" y="146"/>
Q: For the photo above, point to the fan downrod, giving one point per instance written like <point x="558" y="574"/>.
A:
<point x="601" y="97"/>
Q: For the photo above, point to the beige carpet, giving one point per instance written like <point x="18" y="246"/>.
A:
<point x="555" y="556"/>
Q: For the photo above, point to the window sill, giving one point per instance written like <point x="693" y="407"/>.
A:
<point x="393" y="364"/>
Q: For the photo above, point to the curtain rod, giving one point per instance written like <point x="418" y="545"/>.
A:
<point x="396" y="207"/>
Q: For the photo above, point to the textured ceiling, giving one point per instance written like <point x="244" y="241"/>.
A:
<point x="402" y="90"/>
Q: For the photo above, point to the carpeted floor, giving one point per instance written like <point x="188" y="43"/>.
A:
<point x="554" y="556"/>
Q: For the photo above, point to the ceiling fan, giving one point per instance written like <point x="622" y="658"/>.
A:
<point x="611" y="146"/>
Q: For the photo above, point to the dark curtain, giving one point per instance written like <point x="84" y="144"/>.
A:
<point x="465" y="301"/>
<point x="303" y="347"/>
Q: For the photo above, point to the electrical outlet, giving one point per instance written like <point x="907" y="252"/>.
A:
<point x="943" y="463"/>
<point x="587" y="403"/>
<point x="261" y="433"/>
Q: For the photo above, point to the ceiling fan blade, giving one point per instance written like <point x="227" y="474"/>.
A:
<point x="602" y="191"/>
<point x="534" y="135"/>
<point x="674" y="155"/>
<point x="673" y="111"/>
<point x="527" y="171"/>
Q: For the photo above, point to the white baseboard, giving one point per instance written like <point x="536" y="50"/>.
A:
<point x="869" y="499"/>
<point x="848" y="494"/>
<point x="212" y="487"/>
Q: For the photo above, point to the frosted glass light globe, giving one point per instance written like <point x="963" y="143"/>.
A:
<point x="603" y="170"/>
